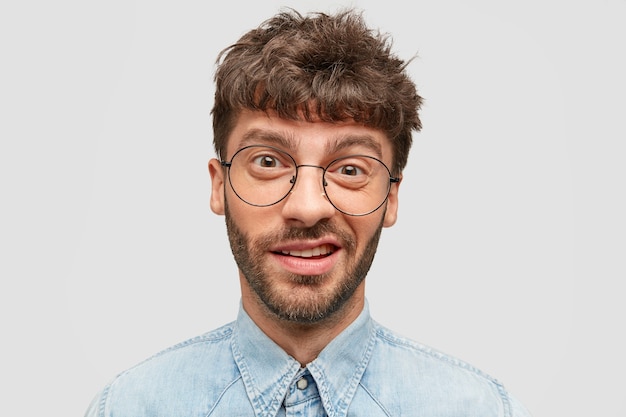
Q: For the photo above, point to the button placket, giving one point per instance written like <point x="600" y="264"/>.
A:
<point x="302" y="389"/>
<point x="303" y="398"/>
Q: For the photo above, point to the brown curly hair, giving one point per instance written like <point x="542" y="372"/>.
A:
<point x="330" y="67"/>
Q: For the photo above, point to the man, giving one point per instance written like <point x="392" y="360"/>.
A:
<point x="312" y="121"/>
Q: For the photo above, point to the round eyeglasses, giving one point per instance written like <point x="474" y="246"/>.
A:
<point x="355" y="185"/>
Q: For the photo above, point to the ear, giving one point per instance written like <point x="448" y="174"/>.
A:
<point x="216" y="171"/>
<point x="391" y="214"/>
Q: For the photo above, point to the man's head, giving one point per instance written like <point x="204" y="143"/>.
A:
<point x="312" y="123"/>
<point x="331" y="67"/>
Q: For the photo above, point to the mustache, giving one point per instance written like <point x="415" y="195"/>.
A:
<point x="318" y="230"/>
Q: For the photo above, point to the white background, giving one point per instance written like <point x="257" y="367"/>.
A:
<point x="508" y="253"/>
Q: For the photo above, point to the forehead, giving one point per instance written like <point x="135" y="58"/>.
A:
<point x="303" y="138"/>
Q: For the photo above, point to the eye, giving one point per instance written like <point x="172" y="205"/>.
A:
<point x="350" y="170"/>
<point x="266" y="161"/>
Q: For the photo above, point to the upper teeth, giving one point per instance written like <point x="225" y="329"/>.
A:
<point x="307" y="253"/>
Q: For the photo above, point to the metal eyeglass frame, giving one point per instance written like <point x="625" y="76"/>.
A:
<point x="228" y="164"/>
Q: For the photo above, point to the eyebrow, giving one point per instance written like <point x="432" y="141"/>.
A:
<point x="269" y="137"/>
<point x="348" y="141"/>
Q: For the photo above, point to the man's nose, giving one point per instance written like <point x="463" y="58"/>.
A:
<point x="307" y="203"/>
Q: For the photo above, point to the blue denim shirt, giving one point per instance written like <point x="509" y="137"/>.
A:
<point x="367" y="370"/>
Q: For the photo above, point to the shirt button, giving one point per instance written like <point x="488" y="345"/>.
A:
<point x="302" y="383"/>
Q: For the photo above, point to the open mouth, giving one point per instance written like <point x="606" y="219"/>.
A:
<point x="315" y="253"/>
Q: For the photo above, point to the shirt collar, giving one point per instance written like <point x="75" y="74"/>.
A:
<point x="267" y="370"/>
<point x="339" y="367"/>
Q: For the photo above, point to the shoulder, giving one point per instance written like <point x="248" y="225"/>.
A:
<point x="431" y="380"/>
<point x="186" y="355"/>
<point x="420" y="355"/>
<point x="196" y="371"/>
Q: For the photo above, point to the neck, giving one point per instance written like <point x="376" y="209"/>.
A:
<point x="302" y="341"/>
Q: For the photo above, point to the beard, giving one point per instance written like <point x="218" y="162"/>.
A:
<point x="308" y="302"/>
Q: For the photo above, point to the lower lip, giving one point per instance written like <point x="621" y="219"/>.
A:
<point x="307" y="266"/>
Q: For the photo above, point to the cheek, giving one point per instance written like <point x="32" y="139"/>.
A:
<point x="253" y="221"/>
<point x="363" y="228"/>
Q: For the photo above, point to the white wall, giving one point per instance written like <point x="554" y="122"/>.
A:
<point x="509" y="250"/>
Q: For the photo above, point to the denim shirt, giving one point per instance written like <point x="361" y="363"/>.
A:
<point x="367" y="370"/>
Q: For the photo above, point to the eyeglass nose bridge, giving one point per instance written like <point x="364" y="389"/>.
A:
<point x="293" y="179"/>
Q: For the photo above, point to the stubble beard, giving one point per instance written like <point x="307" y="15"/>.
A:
<point x="309" y="306"/>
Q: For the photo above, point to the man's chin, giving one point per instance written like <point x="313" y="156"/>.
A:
<point x="305" y="304"/>
<point x="303" y="316"/>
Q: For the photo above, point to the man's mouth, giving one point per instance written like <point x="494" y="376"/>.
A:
<point x="316" y="252"/>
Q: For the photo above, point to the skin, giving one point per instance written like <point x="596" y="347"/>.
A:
<point x="302" y="303"/>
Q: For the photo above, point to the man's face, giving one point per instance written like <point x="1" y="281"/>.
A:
<point x="301" y="258"/>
